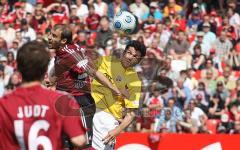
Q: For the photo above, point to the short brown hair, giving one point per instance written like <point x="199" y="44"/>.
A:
<point x="32" y="61"/>
<point x="66" y="32"/>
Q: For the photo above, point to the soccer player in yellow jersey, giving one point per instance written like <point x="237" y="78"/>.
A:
<point x="109" y="120"/>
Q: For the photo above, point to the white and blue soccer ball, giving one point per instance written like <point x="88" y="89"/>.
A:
<point x="125" y="22"/>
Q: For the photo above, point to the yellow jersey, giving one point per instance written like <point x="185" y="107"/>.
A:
<point x="122" y="78"/>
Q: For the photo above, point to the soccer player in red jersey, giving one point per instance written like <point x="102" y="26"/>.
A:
<point x="71" y="73"/>
<point x="31" y="116"/>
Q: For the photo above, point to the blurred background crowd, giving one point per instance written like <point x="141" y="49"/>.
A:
<point x="191" y="74"/>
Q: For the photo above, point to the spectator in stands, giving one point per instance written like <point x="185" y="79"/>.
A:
<point x="233" y="59"/>
<point x="59" y="12"/>
<point x="19" y="38"/>
<point x="11" y="61"/>
<point x="209" y="37"/>
<point x="115" y="7"/>
<point x="193" y="21"/>
<point x="93" y="19"/>
<point x="181" y="93"/>
<point x="27" y="6"/>
<point x="204" y="45"/>
<point x="189" y="124"/>
<point x="28" y="34"/>
<point x="155" y="102"/>
<point x="234" y="18"/>
<point x="165" y="35"/>
<point x="14" y="82"/>
<point x="3" y="47"/>
<point x="209" y="66"/>
<point x="139" y="9"/>
<point x="236" y="129"/>
<point x="222" y="93"/>
<point x="101" y="7"/>
<point x="176" y="112"/>
<point x="234" y="111"/>
<point x="8" y="70"/>
<point x="190" y="81"/>
<point x="197" y="114"/>
<point x="155" y="49"/>
<point x="14" y="48"/>
<point x="82" y="9"/>
<point x="153" y="12"/>
<point x="178" y="48"/>
<point x="202" y="95"/>
<point x="8" y="33"/>
<point x="206" y="19"/>
<point x="216" y="106"/>
<point x="104" y="33"/>
<point x="39" y="20"/>
<point x="222" y="45"/>
<point x="228" y="78"/>
<point x="167" y="123"/>
<point x="231" y="33"/>
<point x="145" y="122"/>
<point x="2" y="80"/>
<point x="209" y="80"/>
<point x="171" y="7"/>
<point x="198" y="58"/>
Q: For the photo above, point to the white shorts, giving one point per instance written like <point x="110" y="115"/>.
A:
<point x="102" y="123"/>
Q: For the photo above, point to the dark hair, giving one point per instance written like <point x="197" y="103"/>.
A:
<point x="24" y="22"/>
<point x="66" y="32"/>
<point x="197" y="46"/>
<point x="105" y="17"/>
<point x="32" y="61"/>
<point x="91" y="6"/>
<point x="138" y="47"/>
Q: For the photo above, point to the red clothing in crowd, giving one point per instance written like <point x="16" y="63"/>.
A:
<point x="93" y="21"/>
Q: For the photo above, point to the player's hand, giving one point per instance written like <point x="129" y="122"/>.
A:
<point x="125" y="93"/>
<point x="111" y="135"/>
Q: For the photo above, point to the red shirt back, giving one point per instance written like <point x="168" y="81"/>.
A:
<point x="29" y="119"/>
<point x="70" y="77"/>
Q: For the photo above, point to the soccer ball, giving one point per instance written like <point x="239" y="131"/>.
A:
<point x="125" y="22"/>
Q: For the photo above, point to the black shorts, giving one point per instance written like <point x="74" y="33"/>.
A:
<point x="88" y="110"/>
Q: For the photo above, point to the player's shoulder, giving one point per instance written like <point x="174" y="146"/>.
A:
<point x="74" y="47"/>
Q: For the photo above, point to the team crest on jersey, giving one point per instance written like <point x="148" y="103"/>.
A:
<point x="119" y="78"/>
<point x="78" y="84"/>
<point x="82" y="76"/>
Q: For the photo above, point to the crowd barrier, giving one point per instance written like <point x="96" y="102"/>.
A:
<point x="150" y="141"/>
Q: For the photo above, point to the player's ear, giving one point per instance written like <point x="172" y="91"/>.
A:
<point x="63" y="41"/>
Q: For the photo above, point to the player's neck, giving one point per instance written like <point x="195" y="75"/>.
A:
<point x="30" y="84"/>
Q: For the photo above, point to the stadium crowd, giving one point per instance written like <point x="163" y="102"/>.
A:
<point x="191" y="74"/>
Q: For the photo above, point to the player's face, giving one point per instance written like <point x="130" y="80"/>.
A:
<point x="130" y="57"/>
<point x="54" y="39"/>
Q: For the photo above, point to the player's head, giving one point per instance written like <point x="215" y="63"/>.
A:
<point x="133" y="54"/>
<point x="60" y="35"/>
<point x="32" y="61"/>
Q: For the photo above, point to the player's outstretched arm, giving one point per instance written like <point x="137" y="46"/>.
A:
<point x="130" y="115"/>
<point x="104" y="81"/>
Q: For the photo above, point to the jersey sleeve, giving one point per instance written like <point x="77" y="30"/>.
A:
<point x="134" y="87"/>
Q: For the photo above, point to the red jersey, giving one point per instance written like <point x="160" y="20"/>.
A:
<point x="93" y="21"/>
<point x="70" y="77"/>
<point x="29" y="119"/>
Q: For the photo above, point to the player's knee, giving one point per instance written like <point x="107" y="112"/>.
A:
<point x="79" y="141"/>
